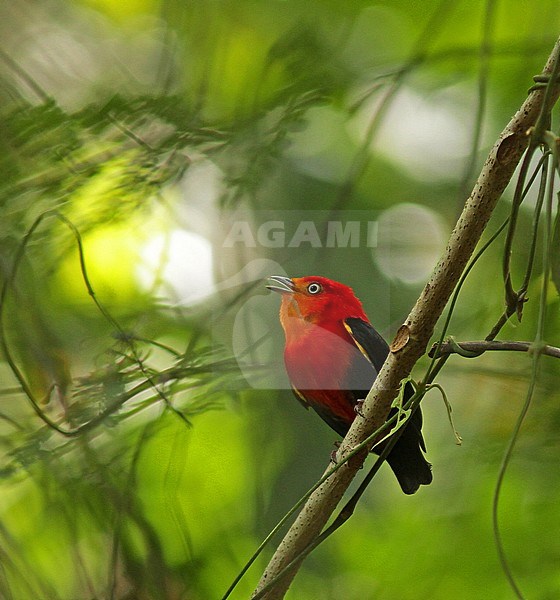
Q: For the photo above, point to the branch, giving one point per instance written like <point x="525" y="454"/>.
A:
<point x="414" y="335"/>
<point x="474" y="349"/>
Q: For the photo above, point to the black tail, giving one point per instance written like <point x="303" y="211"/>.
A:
<point x="407" y="458"/>
<point x="409" y="465"/>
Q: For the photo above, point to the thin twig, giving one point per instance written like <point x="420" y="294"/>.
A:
<point x="539" y="344"/>
<point x="479" y="347"/>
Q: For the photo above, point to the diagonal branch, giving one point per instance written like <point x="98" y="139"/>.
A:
<point x="414" y="335"/>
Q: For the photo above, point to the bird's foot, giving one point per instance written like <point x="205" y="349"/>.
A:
<point x="358" y="408"/>
<point x="334" y="458"/>
<point x="333" y="453"/>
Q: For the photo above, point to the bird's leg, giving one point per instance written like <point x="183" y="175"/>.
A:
<point x="358" y="407"/>
<point x="333" y="453"/>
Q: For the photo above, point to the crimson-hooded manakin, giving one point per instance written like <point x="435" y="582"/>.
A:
<point x="332" y="357"/>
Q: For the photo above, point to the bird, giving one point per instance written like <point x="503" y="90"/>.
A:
<point x="332" y="356"/>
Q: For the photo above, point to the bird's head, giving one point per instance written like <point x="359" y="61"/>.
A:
<point x="315" y="300"/>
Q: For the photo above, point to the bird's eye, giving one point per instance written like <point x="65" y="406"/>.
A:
<point x="314" y="288"/>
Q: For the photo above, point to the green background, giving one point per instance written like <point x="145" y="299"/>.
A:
<point x="152" y="127"/>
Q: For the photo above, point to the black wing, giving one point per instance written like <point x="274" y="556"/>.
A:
<point x="406" y="458"/>
<point x="368" y="361"/>
<point x="369" y="342"/>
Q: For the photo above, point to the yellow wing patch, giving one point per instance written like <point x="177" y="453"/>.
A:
<point x="300" y="397"/>
<point x="358" y="345"/>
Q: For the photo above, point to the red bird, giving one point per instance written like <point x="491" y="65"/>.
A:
<point x="332" y="357"/>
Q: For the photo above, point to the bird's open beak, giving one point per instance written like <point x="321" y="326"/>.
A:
<point x="286" y="285"/>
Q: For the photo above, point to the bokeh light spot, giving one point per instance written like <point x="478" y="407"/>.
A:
<point x="410" y="240"/>
<point x="177" y="266"/>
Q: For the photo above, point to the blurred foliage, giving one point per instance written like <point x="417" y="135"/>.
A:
<point x="147" y="446"/>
